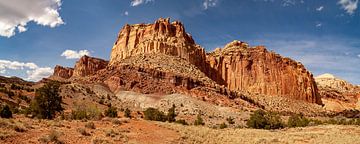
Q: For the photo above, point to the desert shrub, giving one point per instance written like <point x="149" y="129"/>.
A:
<point x="5" y="112"/>
<point x="86" y="112"/>
<point x="222" y="126"/>
<point x="111" y="112"/>
<point x="154" y="115"/>
<point x="181" y="121"/>
<point x="127" y="113"/>
<point x="171" y="114"/>
<point x="263" y="120"/>
<point x="111" y="133"/>
<point x="47" y="101"/>
<point x="90" y="125"/>
<point x="18" y="128"/>
<point x="230" y="120"/>
<point x="298" y="120"/>
<point x="52" y="137"/>
<point x="199" y="120"/>
<point x="83" y="132"/>
<point x="116" y="121"/>
<point x="25" y="98"/>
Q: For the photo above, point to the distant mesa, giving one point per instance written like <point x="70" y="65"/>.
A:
<point x="154" y="51"/>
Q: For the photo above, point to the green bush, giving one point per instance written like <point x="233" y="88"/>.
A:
<point x="47" y="101"/>
<point x="5" y="112"/>
<point x="263" y="120"/>
<point x="171" y="114"/>
<point x="111" y="112"/>
<point x="154" y="115"/>
<point x="86" y="112"/>
<point x="183" y="122"/>
<point x="199" y="120"/>
<point x="298" y="120"/>
<point x="127" y="113"/>
<point x="223" y="125"/>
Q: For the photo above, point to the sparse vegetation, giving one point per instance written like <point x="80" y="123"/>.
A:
<point x="86" y="112"/>
<point x="298" y="120"/>
<point x="154" y="115"/>
<point x="47" y="101"/>
<point x="263" y="120"/>
<point x="90" y="125"/>
<point x="111" y="112"/>
<point x="171" y="114"/>
<point x="183" y="122"/>
<point x="223" y="125"/>
<point x="52" y="137"/>
<point x="199" y="120"/>
<point x="230" y="120"/>
<point x="5" y="112"/>
<point x="127" y="113"/>
<point x="83" y="132"/>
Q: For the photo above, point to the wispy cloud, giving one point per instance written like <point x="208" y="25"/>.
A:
<point x="126" y="13"/>
<point x="318" y="25"/>
<point x="71" y="54"/>
<point x="349" y="5"/>
<point x="33" y="71"/>
<point x="320" y="8"/>
<point x="16" y="14"/>
<point x="139" y="2"/>
<point x="209" y="3"/>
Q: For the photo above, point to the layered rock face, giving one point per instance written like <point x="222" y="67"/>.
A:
<point x="88" y="66"/>
<point x="85" y="66"/>
<point x="256" y="70"/>
<point x="160" y="37"/>
<point x="63" y="72"/>
<point x="338" y="94"/>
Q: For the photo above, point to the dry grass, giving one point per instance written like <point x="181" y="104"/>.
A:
<point x="326" y="134"/>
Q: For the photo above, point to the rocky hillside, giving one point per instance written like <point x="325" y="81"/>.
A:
<point x="254" y="69"/>
<point x="338" y="94"/>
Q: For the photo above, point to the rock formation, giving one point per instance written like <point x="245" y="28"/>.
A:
<point x="160" y="37"/>
<point x="85" y="66"/>
<point x="254" y="69"/>
<point x="338" y="94"/>
<point x="162" y="57"/>
<point x="88" y="66"/>
<point x="63" y="72"/>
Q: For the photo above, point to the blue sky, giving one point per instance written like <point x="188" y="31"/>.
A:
<point x="322" y="34"/>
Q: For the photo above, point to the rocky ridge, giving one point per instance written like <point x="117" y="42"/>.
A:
<point x="255" y="70"/>
<point x="161" y="58"/>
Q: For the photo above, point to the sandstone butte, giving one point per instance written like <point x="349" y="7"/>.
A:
<point x="236" y="66"/>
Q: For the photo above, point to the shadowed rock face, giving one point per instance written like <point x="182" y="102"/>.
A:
<point x="88" y="66"/>
<point x="63" y="72"/>
<point x="159" y="37"/>
<point x="256" y="70"/>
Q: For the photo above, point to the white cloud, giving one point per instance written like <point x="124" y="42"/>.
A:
<point x="139" y="2"/>
<point x="15" y="14"/>
<point x="71" y="54"/>
<point x="33" y="71"/>
<point x="39" y="73"/>
<point x="126" y="13"/>
<point x="319" y="25"/>
<point x="209" y="3"/>
<point x="358" y="55"/>
<point x="320" y="8"/>
<point x="349" y="5"/>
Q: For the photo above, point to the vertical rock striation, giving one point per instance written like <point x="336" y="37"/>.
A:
<point x="160" y="37"/>
<point x="256" y="70"/>
<point x="63" y="72"/>
<point x="86" y="66"/>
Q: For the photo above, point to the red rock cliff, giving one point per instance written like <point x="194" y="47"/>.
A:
<point x="63" y="72"/>
<point x="160" y="37"/>
<point x="86" y="66"/>
<point x="256" y="70"/>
